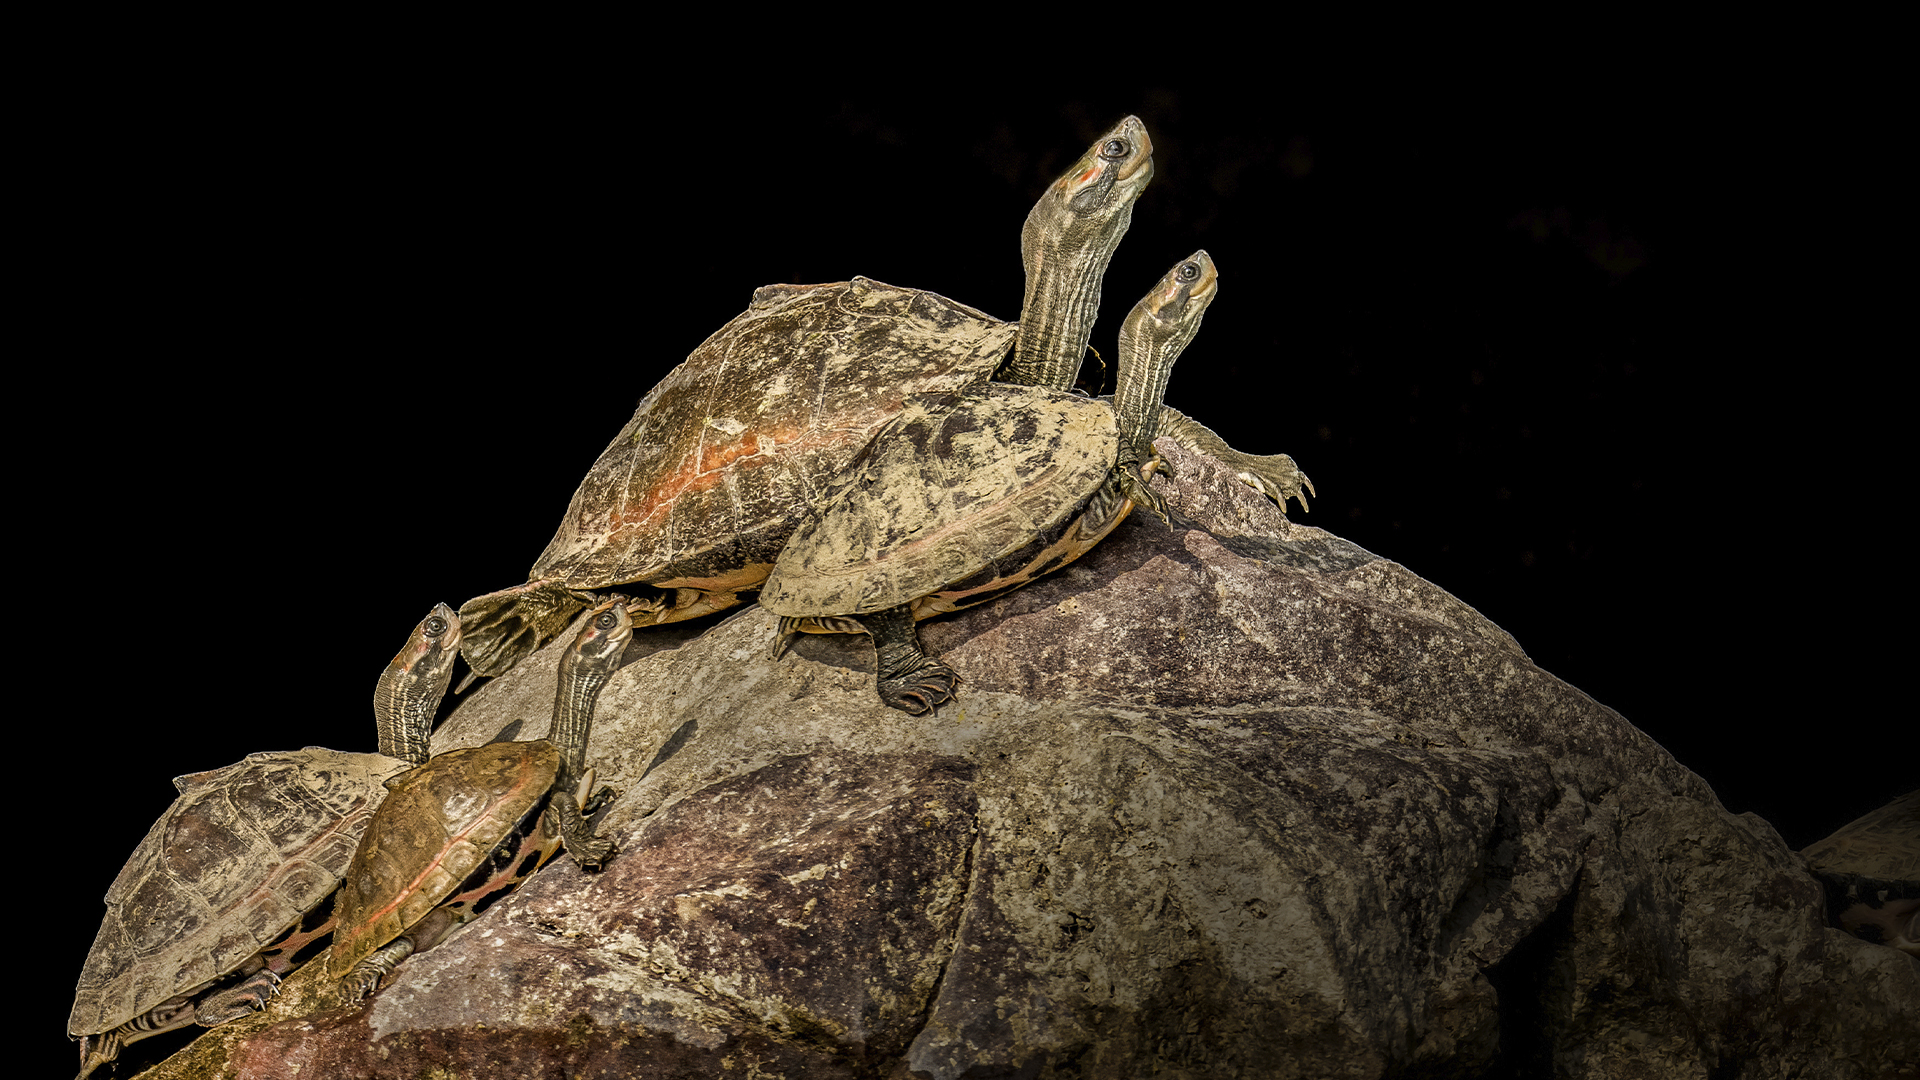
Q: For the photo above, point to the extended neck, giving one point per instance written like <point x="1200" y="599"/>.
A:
<point x="1065" y="266"/>
<point x="581" y="680"/>
<point x="1157" y="330"/>
<point x="403" y="711"/>
<point x="1146" y="365"/>
<point x="409" y="691"/>
<point x="1066" y="244"/>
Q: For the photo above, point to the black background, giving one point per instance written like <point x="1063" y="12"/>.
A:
<point x="1589" y="347"/>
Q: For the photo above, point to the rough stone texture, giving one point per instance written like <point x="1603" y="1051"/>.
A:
<point x="1235" y="799"/>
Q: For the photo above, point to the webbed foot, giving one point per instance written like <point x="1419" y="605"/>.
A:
<point x="591" y="852"/>
<point x="248" y="996"/>
<point x="1131" y="473"/>
<point x="500" y="629"/>
<point x="1272" y="475"/>
<point x="909" y="679"/>
<point x="365" y="977"/>
<point x="922" y="690"/>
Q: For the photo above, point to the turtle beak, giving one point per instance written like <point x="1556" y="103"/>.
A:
<point x="1143" y="157"/>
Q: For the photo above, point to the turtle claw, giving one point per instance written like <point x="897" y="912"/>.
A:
<point x="598" y="801"/>
<point x="249" y="996"/>
<point x="1132" y="476"/>
<point x="365" y="977"/>
<point x="358" y="984"/>
<point x="1276" y="477"/>
<point x="922" y="690"/>
<point x="591" y="852"/>
<point x="1272" y="475"/>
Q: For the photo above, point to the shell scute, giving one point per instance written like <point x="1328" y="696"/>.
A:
<point x="440" y="823"/>
<point x="735" y="442"/>
<point x="941" y="494"/>
<point x="239" y="857"/>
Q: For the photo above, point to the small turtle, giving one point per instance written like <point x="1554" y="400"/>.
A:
<point x="1871" y="870"/>
<point x="227" y="893"/>
<point x="952" y="507"/>
<point x="691" y="503"/>
<point x="461" y="831"/>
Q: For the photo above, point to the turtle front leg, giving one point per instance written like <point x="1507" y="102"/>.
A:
<point x="909" y="679"/>
<point x="1131" y="468"/>
<point x="1273" y="475"/>
<point x="576" y="832"/>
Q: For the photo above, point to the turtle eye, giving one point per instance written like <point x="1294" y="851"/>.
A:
<point x="436" y="626"/>
<point x="1188" y="273"/>
<point x="1115" y="149"/>
<point x="607" y="621"/>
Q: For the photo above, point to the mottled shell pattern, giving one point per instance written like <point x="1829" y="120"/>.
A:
<point x="726" y="454"/>
<point x="943" y="497"/>
<point x="440" y="823"/>
<point x="239" y="857"/>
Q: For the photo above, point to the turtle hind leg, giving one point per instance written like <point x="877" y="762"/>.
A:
<point x="263" y="973"/>
<point x="248" y="996"/>
<point x="365" y="977"/>
<point x="170" y="1015"/>
<point x="908" y="679"/>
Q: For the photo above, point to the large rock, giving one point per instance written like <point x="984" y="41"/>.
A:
<point x="1235" y="799"/>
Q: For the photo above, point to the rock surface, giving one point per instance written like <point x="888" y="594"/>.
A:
<point x="1235" y="799"/>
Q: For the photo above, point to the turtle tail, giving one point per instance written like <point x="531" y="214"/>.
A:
<point x="500" y="629"/>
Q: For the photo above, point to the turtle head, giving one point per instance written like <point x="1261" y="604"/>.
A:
<point x="1066" y="244"/>
<point x="409" y="691"/>
<point x="435" y="642"/>
<point x="1111" y="174"/>
<point x="1156" y="331"/>
<point x="604" y="634"/>
<point x="1093" y="200"/>
<point x="585" y="669"/>
<point x="1170" y="314"/>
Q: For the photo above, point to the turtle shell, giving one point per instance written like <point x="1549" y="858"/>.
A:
<point x="725" y="455"/>
<point x="957" y="500"/>
<point x="1884" y="844"/>
<point x="237" y="860"/>
<point x="440" y="823"/>
<point x="1870" y="870"/>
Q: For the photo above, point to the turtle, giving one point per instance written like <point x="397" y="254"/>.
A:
<point x="689" y="505"/>
<point x="461" y="831"/>
<point x="228" y="891"/>
<point x="1871" y="871"/>
<point x="950" y="507"/>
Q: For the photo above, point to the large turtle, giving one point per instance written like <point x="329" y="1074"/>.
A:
<point x="227" y="893"/>
<point x="953" y="506"/>
<point x="465" y="828"/>
<point x="1871" y="870"/>
<point x="690" y="504"/>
